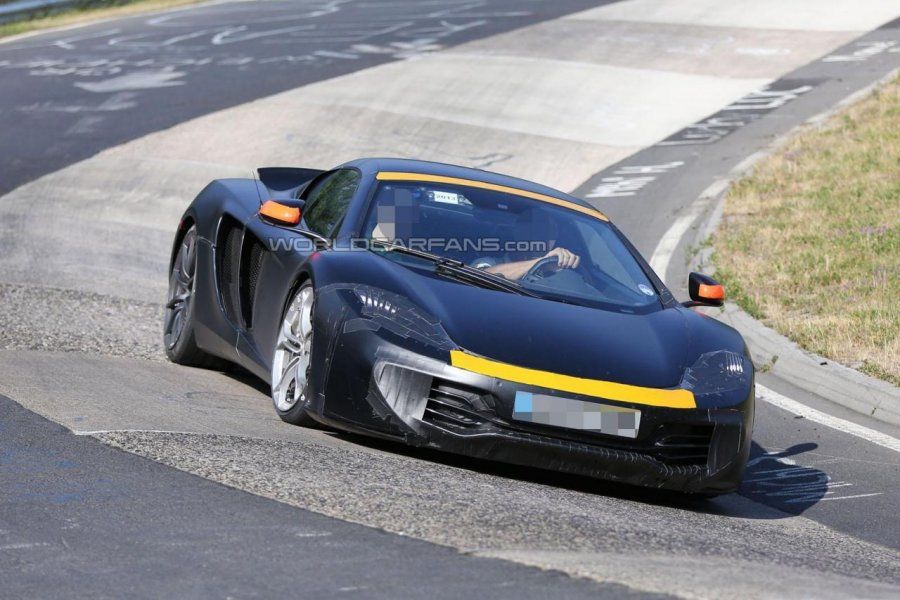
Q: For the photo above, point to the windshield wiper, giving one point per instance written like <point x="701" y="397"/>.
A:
<point x="458" y="269"/>
<point x="435" y="258"/>
<point x="498" y="282"/>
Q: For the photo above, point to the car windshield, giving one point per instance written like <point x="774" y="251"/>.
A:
<point x="555" y="252"/>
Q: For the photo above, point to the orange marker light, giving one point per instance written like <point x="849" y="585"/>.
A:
<point x="286" y="215"/>
<point x="711" y="292"/>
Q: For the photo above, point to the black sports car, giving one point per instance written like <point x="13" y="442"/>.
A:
<point x="461" y="310"/>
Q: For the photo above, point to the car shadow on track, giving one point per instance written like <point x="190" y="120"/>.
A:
<point x="776" y="487"/>
<point x="779" y="479"/>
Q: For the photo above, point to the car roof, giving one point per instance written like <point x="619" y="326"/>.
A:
<point x="406" y="165"/>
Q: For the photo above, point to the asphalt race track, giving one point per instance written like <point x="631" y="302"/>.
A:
<point x="112" y="461"/>
<point x="84" y="86"/>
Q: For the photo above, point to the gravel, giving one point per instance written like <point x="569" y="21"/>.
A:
<point x="45" y="318"/>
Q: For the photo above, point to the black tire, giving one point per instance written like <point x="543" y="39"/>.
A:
<point x="179" y="340"/>
<point x="294" y="343"/>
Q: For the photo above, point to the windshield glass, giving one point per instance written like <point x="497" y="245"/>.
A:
<point x="555" y="252"/>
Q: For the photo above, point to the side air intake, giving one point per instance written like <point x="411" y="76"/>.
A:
<point x="228" y="260"/>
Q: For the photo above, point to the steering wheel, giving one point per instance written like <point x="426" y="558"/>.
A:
<point x="542" y="268"/>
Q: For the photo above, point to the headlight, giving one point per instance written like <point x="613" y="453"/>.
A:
<point x="717" y="372"/>
<point x="381" y="309"/>
<point x="379" y="302"/>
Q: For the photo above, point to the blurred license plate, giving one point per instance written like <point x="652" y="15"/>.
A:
<point x="575" y="414"/>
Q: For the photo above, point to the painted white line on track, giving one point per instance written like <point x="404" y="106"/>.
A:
<point x="659" y="262"/>
<point x="662" y="255"/>
<point x="23" y="546"/>
<point x="870" y="435"/>
<point x="87" y="23"/>
<point x="853" y="496"/>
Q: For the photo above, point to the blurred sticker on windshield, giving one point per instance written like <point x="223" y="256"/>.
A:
<point x="645" y="288"/>
<point x="445" y="197"/>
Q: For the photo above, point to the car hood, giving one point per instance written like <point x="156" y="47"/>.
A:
<point x="640" y="349"/>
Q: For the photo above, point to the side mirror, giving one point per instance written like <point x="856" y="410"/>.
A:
<point x="281" y="213"/>
<point x="704" y="291"/>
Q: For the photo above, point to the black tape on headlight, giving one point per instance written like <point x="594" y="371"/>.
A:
<point x="381" y="309"/>
<point x="718" y="375"/>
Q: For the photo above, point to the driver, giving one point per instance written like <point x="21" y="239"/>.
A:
<point x="531" y="226"/>
<point x="395" y="212"/>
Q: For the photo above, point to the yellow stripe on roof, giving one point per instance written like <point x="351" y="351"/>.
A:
<point x="608" y="390"/>
<point x="398" y="176"/>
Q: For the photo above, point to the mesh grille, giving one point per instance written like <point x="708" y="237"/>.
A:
<point x="251" y="264"/>
<point x="228" y="255"/>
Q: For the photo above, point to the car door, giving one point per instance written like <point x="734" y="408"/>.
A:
<point x="273" y="254"/>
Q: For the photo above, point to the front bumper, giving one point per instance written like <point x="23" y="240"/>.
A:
<point x="432" y="404"/>
<point x="387" y="375"/>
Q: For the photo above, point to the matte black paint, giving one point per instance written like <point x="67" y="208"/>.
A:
<point x="652" y="349"/>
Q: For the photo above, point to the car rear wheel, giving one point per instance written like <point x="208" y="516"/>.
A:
<point x="291" y="364"/>
<point x="178" y="333"/>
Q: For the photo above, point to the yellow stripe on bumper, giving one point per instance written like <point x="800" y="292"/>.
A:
<point x="608" y="390"/>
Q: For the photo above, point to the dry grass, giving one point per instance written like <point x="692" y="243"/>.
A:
<point x="94" y="12"/>
<point x="810" y="242"/>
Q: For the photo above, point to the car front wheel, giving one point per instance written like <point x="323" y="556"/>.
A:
<point x="292" y="361"/>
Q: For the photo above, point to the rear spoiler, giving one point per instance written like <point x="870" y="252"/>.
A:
<point x="285" y="182"/>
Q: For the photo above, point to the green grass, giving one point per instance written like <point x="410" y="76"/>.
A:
<point x="810" y="242"/>
<point x="86" y="11"/>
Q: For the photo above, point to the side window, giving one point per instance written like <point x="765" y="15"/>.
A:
<point x="327" y="203"/>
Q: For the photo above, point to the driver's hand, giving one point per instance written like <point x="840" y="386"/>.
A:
<point x="566" y="260"/>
